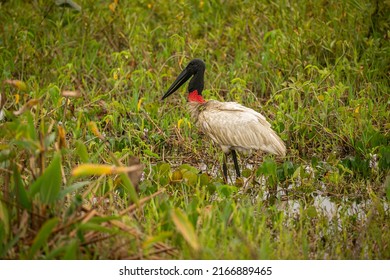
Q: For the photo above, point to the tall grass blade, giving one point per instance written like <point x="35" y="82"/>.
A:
<point x="42" y="236"/>
<point x="186" y="229"/>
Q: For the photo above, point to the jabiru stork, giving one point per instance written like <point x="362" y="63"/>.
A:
<point x="230" y="125"/>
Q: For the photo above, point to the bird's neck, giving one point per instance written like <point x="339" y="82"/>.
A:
<point x="194" y="96"/>
<point x="195" y="87"/>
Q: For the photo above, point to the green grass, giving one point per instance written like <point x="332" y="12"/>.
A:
<point x="318" y="70"/>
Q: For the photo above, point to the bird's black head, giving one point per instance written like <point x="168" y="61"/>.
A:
<point x="194" y="69"/>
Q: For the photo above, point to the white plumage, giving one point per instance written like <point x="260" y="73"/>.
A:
<point x="233" y="126"/>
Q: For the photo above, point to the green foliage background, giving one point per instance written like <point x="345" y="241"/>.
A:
<point x="318" y="70"/>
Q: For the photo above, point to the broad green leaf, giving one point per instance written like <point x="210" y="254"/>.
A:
<point x="40" y="239"/>
<point x="82" y="151"/>
<point x="164" y="168"/>
<point x="204" y="179"/>
<point x="49" y="184"/>
<point x="190" y="178"/>
<point x="311" y="212"/>
<point x="177" y="176"/>
<point x="21" y="194"/>
<point x="129" y="187"/>
<point x="71" y="250"/>
<point x="226" y="190"/>
<point x="7" y="244"/>
<point x="151" y="154"/>
<point x="186" y="229"/>
<point x="188" y="167"/>
<point x="4" y="220"/>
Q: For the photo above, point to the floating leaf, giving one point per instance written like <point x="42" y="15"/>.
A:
<point x="190" y="177"/>
<point x="226" y="190"/>
<point x="311" y="212"/>
<point x="177" y="176"/>
<point x="187" y="167"/>
<point x="184" y="226"/>
<point x="164" y="168"/>
<point x="239" y="182"/>
<point x="204" y="179"/>
<point x="246" y="172"/>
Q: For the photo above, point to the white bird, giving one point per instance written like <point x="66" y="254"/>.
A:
<point x="230" y="125"/>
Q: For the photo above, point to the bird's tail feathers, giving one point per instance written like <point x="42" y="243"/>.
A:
<point x="277" y="146"/>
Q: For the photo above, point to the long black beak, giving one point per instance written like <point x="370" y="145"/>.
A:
<point x="180" y="80"/>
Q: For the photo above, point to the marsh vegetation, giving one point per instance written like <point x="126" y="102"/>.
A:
<point x="94" y="166"/>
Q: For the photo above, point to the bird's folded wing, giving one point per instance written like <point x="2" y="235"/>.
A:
<point x="232" y="125"/>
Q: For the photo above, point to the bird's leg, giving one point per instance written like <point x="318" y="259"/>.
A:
<point x="234" y="155"/>
<point x="224" y="168"/>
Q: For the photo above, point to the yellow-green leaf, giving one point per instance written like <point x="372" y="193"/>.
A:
<point x="89" y="169"/>
<point x="93" y="127"/>
<point x="157" y="238"/>
<point x="128" y="185"/>
<point x="186" y="229"/>
<point x="20" y="85"/>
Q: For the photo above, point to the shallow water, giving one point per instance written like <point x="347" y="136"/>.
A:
<point x="325" y="204"/>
